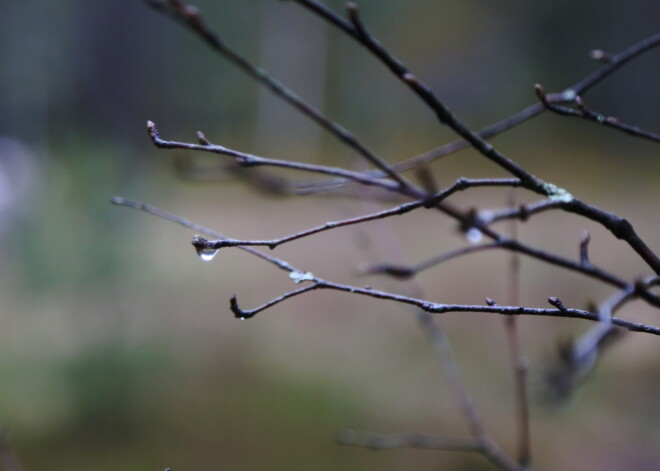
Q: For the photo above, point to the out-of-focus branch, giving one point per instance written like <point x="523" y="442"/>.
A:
<point x="436" y="335"/>
<point x="385" y="441"/>
<point x="403" y="271"/>
<point x="519" y="363"/>
<point x="8" y="457"/>
<point x="579" y="357"/>
<point x="121" y="201"/>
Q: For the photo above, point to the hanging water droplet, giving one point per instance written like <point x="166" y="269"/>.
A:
<point x="205" y="253"/>
<point x="473" y="235"/>
<point x="242" y="318"/>
<point x="202" y="248"/>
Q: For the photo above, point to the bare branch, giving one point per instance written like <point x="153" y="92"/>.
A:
<point x="382" y="441"/>
<point x="120" y="201"/>
<point x="247" y="314"/>
<point x="579" y="357"/>
<point x="621" y="228"/>
<point x="612" y="64"/>
<point x="582" y="111"/>
<point x="460" y="185"/>
<point x="192" y="18"/>
<point x="387" y="441"/>
<point x="401" y="271"/>
<point x="248" y="160"/>
<point x="440" y="308"/>
<point x="443" y="113"/>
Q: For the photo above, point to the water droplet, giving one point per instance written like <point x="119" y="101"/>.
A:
<point x="242" y="318"/>
<point x="205" y="253"/>
<point x="473" y="235"/>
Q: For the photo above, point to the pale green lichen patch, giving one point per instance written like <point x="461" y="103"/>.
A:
<point x="557" y="194"/>
<point x="299" y="277"/>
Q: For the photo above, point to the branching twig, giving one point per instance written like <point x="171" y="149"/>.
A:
<point x="192" y="18"/>
<point x="248" y="160"/>
<point x="383" y="441"/>
<point x="582" y="111"/>
<point x="460" y="185"/>
<point x="441" y="308"/>
<point x="121" y="201"/>
<point x="621" y="228"/>
<point x="422" y="304"/>
<point x="581" y="357"/>
<point x="582" y="354"/>
<point x="613" y="63"/>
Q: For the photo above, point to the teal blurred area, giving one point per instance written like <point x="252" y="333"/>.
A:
<point x="117" y="346"/>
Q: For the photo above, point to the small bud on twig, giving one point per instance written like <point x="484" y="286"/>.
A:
<point x="556" y="302"/>
<point x="584" y="249"/>
<point x="600" y="56"/>
<point x="201" y="138"/>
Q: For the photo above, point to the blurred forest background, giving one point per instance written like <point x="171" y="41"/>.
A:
<point x="117" y="347"/>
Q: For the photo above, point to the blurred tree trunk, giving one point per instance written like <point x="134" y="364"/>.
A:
<point x="293" y="34"/>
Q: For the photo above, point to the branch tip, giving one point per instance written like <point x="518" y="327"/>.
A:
<point x="410" y="78"/>
<point x="556" y="302"/>
<point x="600" y="55"/>
<point x="118" y="200"/>
<point x="238" y="312"/>
<point x="201" y="138"/>
<point x="540" y="93"/>
<point x="152" y="130"/>
<point x="191" y="12"/>
<point x="584" y="248"/>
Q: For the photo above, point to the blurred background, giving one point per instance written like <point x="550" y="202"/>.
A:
<point x="117" y="347"/>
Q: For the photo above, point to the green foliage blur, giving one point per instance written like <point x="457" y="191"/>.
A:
<point x="117" y="347"/>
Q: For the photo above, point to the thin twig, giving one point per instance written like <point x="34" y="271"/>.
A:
<point x="584" y="249"/>
<point x="460" y="185"/>
<point x="613" y="63"/>
<point x="386" y="441"/>
<point x="402" y="271"/>
<point x="582" y="111"/>
<point x="443" y="113"/>
<point x="249" y="160"/>
<point x="382" y="441"/>
<point x="440" y="308"/>
<point x="121" y="201"/>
